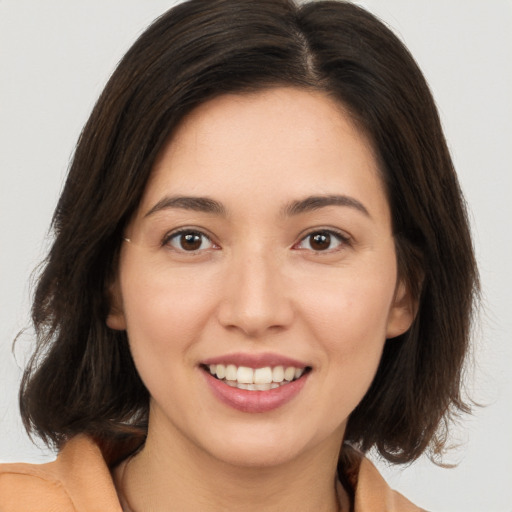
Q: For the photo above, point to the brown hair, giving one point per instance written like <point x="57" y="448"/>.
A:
<point x="82" y="379"/>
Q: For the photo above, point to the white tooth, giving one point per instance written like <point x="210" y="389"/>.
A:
<point x="278" y="374"/>
<point x="242" y="386"/>
<point x="213" y="367"/>
<point x="251" y="387"/>
<point x="220" y="371"/>
<point x="263" y="375"/>
<point x="245" y="375"/>
<point x="289" y="373"/>
<point x="263" y="387"/>
<point x="275" y="385"/>
<point x="232" y="383"/>
<point x="231" y="372"/>
<point x="298" y="372"/>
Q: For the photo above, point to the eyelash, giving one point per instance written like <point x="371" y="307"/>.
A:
<point x="187" y="231"/>
<point x="342" y="239"/>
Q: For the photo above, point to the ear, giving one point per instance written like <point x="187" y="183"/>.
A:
<point x="115" y="318"/>
<point x="402" y="312"/>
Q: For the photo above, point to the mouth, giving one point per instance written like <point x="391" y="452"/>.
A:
<point x="264" y="378"/>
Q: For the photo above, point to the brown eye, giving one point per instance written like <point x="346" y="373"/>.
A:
<point x="319" y="241"/>
<point x="189" y="241"/>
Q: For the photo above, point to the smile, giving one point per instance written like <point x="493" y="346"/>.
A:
<point x="255" y="379"/>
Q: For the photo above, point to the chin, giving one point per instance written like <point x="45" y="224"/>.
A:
<point x="257" y="455"/>
<point x="262" y="447"/>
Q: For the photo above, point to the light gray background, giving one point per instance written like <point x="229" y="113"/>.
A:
<point x="55" y="57"/>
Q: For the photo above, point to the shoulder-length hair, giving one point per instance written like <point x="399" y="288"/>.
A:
<point x="82" y="379"/>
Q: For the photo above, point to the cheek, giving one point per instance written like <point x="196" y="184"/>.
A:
<point x="349" y="318"/>
<point x="165" y="313"/>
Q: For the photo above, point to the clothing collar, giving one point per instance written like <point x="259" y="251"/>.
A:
<point x="83" y="471"/>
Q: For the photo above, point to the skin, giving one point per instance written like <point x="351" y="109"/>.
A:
<point x="257" y="284"/>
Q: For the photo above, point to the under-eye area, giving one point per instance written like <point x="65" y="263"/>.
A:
<point x="255" y="379"/>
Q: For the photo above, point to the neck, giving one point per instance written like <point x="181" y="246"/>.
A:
<point x="167" y="475"/>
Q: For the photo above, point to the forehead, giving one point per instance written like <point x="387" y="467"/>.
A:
<point x="279" y="143"/>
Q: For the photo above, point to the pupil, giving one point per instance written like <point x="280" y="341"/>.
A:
<point x="191" y="241"/>
<point x="320" y="241"/>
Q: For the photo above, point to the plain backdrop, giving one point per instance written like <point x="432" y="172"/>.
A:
<point x="55" y="57"/>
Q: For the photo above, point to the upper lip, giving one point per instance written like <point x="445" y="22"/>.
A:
<point x="255" y="360"/>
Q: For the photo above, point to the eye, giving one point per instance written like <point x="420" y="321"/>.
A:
<point x="189" y="240"/>
<point x="323" y="240"/>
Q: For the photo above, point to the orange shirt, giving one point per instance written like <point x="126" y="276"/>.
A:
<point x="79" y="480"/>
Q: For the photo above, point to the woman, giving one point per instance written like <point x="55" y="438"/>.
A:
<point x="262" y="269"/>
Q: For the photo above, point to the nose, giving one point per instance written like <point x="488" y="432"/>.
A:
<point x="255" y="298"/>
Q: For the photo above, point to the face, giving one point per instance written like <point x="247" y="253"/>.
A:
<point x="259" y="282"/>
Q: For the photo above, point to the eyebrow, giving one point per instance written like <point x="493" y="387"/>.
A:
<point x="316" y="202"/>
<point x="207" y="205"/>
<point x="198" y="204"/>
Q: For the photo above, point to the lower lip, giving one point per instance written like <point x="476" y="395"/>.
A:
<point x="255" y="401"/>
